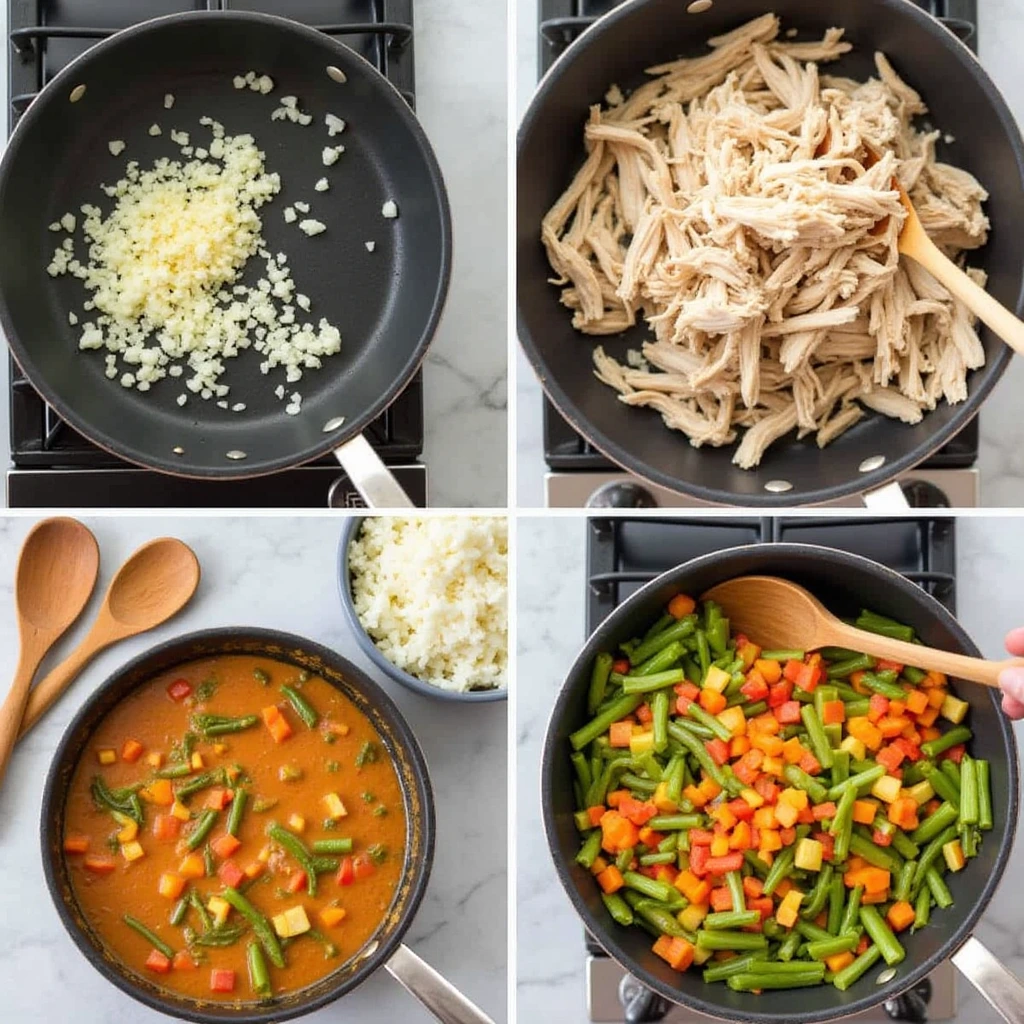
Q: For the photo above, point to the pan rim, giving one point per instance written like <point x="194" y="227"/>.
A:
<point x="634" y="462"/>
<point x="353" y="425"/>
<point x="555" y="749"/>
<point x="53" y="788"/>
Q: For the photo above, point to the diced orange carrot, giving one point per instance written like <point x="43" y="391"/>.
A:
<point x="897" y="708"/>
<point x="770" y="745"/>
<point x="76" y="844"/>
<point x="833" y="712"/>
<point x="875" y="880"/>
<point x="98" y="865"/>
<point x="254" y="869"/>
<point x="890" y="727"/>
<point x="771" y="671"/>
<point x="183" y="962"/>
<point x="159" y="792"/>
<point x="793" y="750"/>
<point x="610" y="879"/>
<point x="681" y="605"/>
<point x="696" y="890"/>
<point x="738" y="746"/>
<point x="934" y="679"/>
<point x="917" y="701"/>
<point x="864" y="811"/>
<point x="838" y="961"/>
<point x="863" y="730"/>
<point x="615" y="797"/>
<point x="277" y="725"/>
<point x="192" y="866"/>
<point x="712" y="701"/>
<point x="676" y="952"/>
<point x="331" y="916"/>
<point x="936" y="698"/>
<point x="595" y="814"/>
<point x="170" y="885"/>
<point x="620" y="733"/>
<point x="225" y="845"/>
<point x="695" y="796"/>
<point x="131" y="751"/>
<point x="927" y="718"/>
<point x="900" y="916"/>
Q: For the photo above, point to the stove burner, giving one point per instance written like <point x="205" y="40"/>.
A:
<point x="911" y="1006"/>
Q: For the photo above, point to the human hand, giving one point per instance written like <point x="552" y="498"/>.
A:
<point x="1011" y="680"/>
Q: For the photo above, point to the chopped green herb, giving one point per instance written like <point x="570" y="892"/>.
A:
<point x="380" y="811"/>
<point x="369" y="754"/>
<point x="368" y="797"/>
<point x="378" y="853"/>
<point x="333" y="766"/>
<point x="260" y="676"/>
<point x="329" y="824"/>
<point x="206" y="689"/>
<point x="211" y="868"/>
<point x="289" y="773"/>
<point x="112" y="844"/>
<point x="281" y="894"/>
<point x="261" y="804"/>
<point x="330" y="949"/>
<point x="329" y="737"/>
<point x="304" y="677"/>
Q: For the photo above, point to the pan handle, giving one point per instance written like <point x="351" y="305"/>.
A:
<point x="439" y="996"/>
<point x="370" y="477"/>
<point x="1002" y="989"/>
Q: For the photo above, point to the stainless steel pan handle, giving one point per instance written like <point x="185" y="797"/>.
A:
<point x="1003" y="990"/>
<point x="439" y="996"/>
<point x="370" y="477"/>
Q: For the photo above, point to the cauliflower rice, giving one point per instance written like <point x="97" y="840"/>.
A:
<point x="432" y="593"/>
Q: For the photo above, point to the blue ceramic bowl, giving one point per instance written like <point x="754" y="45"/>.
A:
<point x="373" y="652"/>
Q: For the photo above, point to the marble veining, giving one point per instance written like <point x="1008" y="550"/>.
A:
<point x="461" y="100"/>
<point x="276" y="572"/>
<point x="1001" y="456"/>
<point x="551" y="567"/>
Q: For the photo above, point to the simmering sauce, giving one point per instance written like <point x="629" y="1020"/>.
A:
<point x="153" y="799"/>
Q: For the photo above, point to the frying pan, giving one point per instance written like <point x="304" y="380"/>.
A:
<point x="640" y="33"/>
<point x="386" y="303"/>
<point x="845" y="583"/>
<point x="384" y="949"/>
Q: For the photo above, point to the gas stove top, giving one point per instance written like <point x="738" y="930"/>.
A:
<point x="581" y="476"/>
<point x="54" y="465"/>
<point x="624" y="553"/>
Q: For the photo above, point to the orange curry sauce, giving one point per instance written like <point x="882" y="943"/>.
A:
<point x="287" y="781"/>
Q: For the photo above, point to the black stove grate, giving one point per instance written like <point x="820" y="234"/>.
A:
<point x="47" y="34"/>
<point x="561" y="23"/>
<point x="625" y="552"/>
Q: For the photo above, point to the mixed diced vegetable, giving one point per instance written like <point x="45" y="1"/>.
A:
<point x="779" y="817"/>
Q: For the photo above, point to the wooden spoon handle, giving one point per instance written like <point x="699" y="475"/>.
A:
<point x="977" y="670"/>
<point x="50" y="688"/>
<point x="973" y="296"/>
<point x="14" y="704"/>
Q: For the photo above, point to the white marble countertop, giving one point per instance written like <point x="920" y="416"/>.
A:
<point x="272" y="572"/>
<point x="990" y="568"/>
<point x="1001" y="457"/>
<point x="465" y="373"/>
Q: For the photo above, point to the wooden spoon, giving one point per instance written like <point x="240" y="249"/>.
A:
<point x="779" y="614"/>
<point x="915" y="243"/>
<point x="57" y="571"/>
<point x="156" y="582"/>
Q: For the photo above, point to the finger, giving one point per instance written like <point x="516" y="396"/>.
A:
<point x="1011" y="681"/>
<point x="1015" y="641"/>
<point x="1012" y="707"/>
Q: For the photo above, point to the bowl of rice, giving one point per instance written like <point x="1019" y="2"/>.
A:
<point x="427" y="598"/>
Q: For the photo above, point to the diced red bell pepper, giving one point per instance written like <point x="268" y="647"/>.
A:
<point x="954" y="754"/>
<point x="636" y="812"/>
<point x="878" y="707"/>
<point x="721" y="899"/>
<point x="788" y="836"/>
<point x="183" y="961"/>
<point x="891" y="757"/>
<point x="231" y="874"/>
<point x="346" y="872"/>
<point x="718" y="749"/>
<point x="755" y="688"/>
<point x="788" y="713"/>
<point x="297" y="881"/>
<point x="741" y="809"/>
<point x="767" y="788"/>
<point x="179" y="689"/>
<point x="911" y="750"/>
<point x="699" y="858"/>
<point x="157" y="962"/>
<point x="825" y="810"/>
<point x="723" y="865"/>
<point x="683" y="704"/>
<point x="166" y="827"/>
<point x="363" y="866"/>
<point x="792" y="670"/>
<point x="753" y="887"/>
<point x="880" y="838"/>
<point x="700" y="837"/>
<point x="862" y="946"/>
<point x="805" y="816"/>
<point x="805" y="674"/>
<point x="621" y="665"/>
<point x="644" y="714"/>
<point x="828" y="844"/>
<point x="218" y="798"/>
<point x="779" y="693"/>
<point x="764" y="905"/>
<point x="687" y="689"/>
<point x="222" y="980"/>
<point x="884" y="665"/>
<point x="809" y="763"/>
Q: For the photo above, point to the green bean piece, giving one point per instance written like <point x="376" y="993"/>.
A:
<point x="203" y="827"/>
<point x="655" y="681"/>
<point x="639" y="785"/>
<point x="940" y="819"/>
<point x="595" y="796"/>
<point x="755" y="709"/>
<point x="859" y="782"/>
<point x="196" y="902"/>
<point x="731" y="919"/>
<point x="699" y="715"/>
<point x="847" y="666"/>
<point x="260" y="676"/>
<point x="878" y="683"/>
<point x="819" y="894"/>
<point x="664" y="622"/>
<point x="829" y="947"/>
<point x="648" y="886"/>
<point x="116" y="800"/>
<point x="648" y="860"/>
<point x="237" y="809"/>
<point x="943" y="785"/>
<point x="756" y="982"/>
<point x="812" y="932"/>
<point x="734" y="881"/>
<point x="877" y="855"/>
<point x="842" y="825"/>
<point x="703" y="653"/>
<point x="221" y="725"/>
<point x="259" y="976"/>
<point x="659" y="722"/>
<point x="905" y="881"/>
<point x="624" y="859"/>
<point x="324" y="864"/>
<point x="840" y="766"/>
<point x="599" y="682"/>
<point x="837" y="653"/>
<point x="621" y="707"/>
<point x="852" y="973"/>
<point x="786" y="654"/>
<point x="203" y="781"/>
<point x="796" y="776"/>
<point x="260" y="925"/>
<point x="958" y="734"/>
<point x="650" y="766"/>
<point x="208" y="864"/>
<point x="816" y="733"/>
<point x="968" y="792"/>
<point x="789" y="946"/>
<point x="693" y="728"/>
<point x="884" y="627"/>
<point x="674" y="776"/>
<point x="590" y="850"/>
<point x="722" y="969"/>
<point x="730" y="940"/>
<point x="337" y="845"/>
<point x="851" y="916"/>
<point x="151" y="937"/>
<point x="859" y="708"/>
<point x="217" y="937"/>
<point x="904" y="845"/>
<point x="582" y="768"/>
<point x="302" y="707"/>
<point x="173" y="771"/>
<point x="179" y="911"/>
<point x="780" y="869"/>
<point x="836" y="902"/>
<point x="922" y="908"/>
<point x="982" y="773"/>
<point x="914" y="676"/>
<point x="938" y="888"/>
<point x="678" y="630"/>
<point x="931" y="854"/>
<point x="881" y="934"/>
<point x="293" y="845"/>
<point x="665" y="659"/>
<point x="755" y="863"/>
<point x="952" y="770"/>
<point x="699" y="751"/>
<point x="656" y="914"/>
<point x="674" y="822"/>
<point x="621" y="911"/>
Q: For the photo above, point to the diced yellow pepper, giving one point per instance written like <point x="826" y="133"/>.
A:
<point x="734" y="720"/>
<point x="170" y="885"/>
<point x="264" y="855"/>
<point x="128" y="832"/>
<point x="789" y="908"/>
<point x="661" y="800"/>
<point x="854" y="747"/>
<point x="786" y="814"/>
<point x="701" y="955"/>
<point x="297" y="823"/>
<point x="155" y="759"/>
<point x="692" y="916"/>
<point x="887" y="788"/>
<point x="641" y="742"/>
<point x="192" y="866"/>
<point x="921" y="793"/>
<point x="953" y="709"/>
<point x="292" y="922"/>
<point x="197" y="761"/>
<point x="335" y="808"/>
<point x="180" y="811"/>
<point x="809" y="855"/>
<point x="953" y="853"/>
<point x="719" y="846"/>
<point x="795" y="798"/>
<point x="717" y="679"/>
<point x="220" y="748"/>
<point x="107" y="755"/>
<point x="752" y="798"/>
<point x="219" y="909"/>
<point x="132" y="851"/>
<point x="773" y="766"/>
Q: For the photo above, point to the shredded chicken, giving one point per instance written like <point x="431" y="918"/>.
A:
<point x="734" y="204"/>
